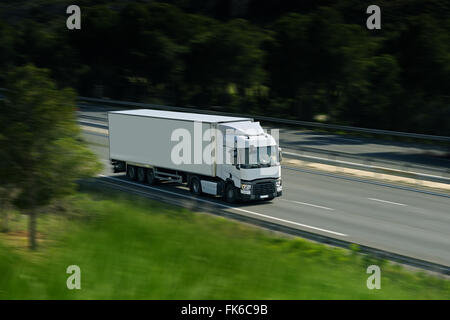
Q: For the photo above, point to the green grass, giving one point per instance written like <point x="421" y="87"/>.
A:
<point x="131" y="248"/>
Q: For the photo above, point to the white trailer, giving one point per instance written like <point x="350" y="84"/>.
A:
<point x="218" y="155"/>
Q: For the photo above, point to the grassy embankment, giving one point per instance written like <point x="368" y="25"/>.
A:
<point x="131" y="248"/>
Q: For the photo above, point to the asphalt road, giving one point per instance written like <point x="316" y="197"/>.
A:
<point x="401" y="221"/>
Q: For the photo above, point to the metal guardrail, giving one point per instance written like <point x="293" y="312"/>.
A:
<point x="274" y="120"/>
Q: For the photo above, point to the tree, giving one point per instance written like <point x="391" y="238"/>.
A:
<point x="316" y="61"/>
<point x="42" y="153"/>
<point x="226" y="54"/>
<point x="377" y="102"/>
<point x="7" y="52"/>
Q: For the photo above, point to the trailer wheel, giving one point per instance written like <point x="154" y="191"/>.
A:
<point x="231" y="194"/>
<point x="151" y="177"/>
<point x="131" y="172"/>
<point x="195" y="186"/>
<point x="141" y="174"/>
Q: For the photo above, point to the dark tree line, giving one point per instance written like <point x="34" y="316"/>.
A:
<point x="296" y="59"/>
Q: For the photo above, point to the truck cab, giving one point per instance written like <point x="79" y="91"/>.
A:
<point x="254" y="169"/>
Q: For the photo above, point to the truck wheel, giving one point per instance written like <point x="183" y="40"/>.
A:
<point x="231" y="195"/>
<point x="195" y="186"/>
<point x="141" y="174"/>
<point x="151" y="177"/>
<point x="131" y="172"/>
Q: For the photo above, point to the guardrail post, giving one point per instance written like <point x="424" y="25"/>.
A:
<point x="333" y="157"/>
<point x="376" y="173"/>
<point x="418" y="181"/>
<point x="366" y="162"/>
<point x="406" y="167"/>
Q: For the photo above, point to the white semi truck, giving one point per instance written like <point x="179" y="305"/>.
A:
<point x="225" y="156"/>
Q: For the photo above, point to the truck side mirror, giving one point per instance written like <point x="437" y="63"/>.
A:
<point x="235" y="157"/>
<point x="280" y="154"/>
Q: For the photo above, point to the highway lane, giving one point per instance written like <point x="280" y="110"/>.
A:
<point x="410" y="157"/>
<point x="400" y="221"/>
<point x="421" y="155"/>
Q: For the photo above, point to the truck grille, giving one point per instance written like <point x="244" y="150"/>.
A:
<point x="264" y="188"/>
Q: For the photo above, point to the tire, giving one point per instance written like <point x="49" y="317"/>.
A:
<point x="195" y="186"/>
<point x="231" y="195"/>
<point x="131" y="172"/>
<point x="141" y="174"/>
<point x="151" y="177"/>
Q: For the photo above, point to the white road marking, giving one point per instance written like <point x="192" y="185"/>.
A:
<point x="308" y="204"/>
<point x="385" y="201"/>
<point x="227" y="206"/>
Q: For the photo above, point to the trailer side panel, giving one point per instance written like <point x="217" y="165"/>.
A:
<point x="152" y="141"/>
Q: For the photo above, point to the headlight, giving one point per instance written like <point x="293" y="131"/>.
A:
<point x="278" y="185"/>
<point x="246" y="187"/>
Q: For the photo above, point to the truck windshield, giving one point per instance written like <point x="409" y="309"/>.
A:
<point x="257" y="157"/>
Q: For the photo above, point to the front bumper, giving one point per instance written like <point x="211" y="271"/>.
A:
<point x="251" y="197"/>
<point x="264" y="189"/>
